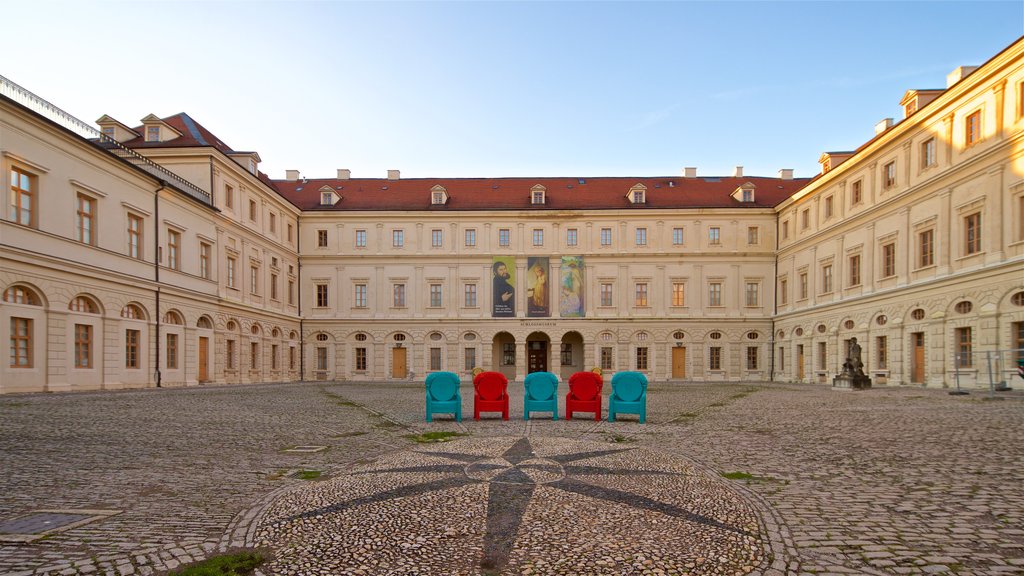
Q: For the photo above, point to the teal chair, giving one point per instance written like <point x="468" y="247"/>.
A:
<point x="629" y="395"/>
<point x="443" y="395"/>
<point x="541" y="394"/>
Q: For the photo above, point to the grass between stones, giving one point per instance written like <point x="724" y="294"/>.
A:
<point x="232" y="564"/>
<point x="432" y="437"/>
<point x="747" y="477"/>
<point x="308" y="474"/>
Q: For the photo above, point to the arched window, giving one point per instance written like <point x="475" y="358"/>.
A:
<point x="21" y="295"/>
<point x="132" y="312"/>
<point x="917" y="314"/>
<point x="275" y="333"/>
<point x="172" y="317"/>
<point x="83" y="304"/>
<point x="715" y="335"/>
<point x="964" y="307"/>
<point x="204" y="322"/>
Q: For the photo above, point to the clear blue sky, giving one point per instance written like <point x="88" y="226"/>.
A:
<point x="505" y="89"/>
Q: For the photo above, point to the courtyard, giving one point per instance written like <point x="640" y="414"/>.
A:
<point x="336" y="478"/>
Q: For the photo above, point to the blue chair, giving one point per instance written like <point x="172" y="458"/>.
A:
<point x="541" y="394"/>
<point x="629" y="395"/>
<point x="443" y="395"/>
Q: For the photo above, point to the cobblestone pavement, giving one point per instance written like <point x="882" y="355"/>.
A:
<point x="886" y="481"/>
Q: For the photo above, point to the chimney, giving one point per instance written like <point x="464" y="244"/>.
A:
<point x="291" y="174"/>
<point x="883" y="126"/>
<point x="959" y="74"/>
<point x="738" y="172"/>
<point x="394" y="175"/>
<point x="344" y="173"/>
<point x="689" y="172"/>
<point x="786" y="174"/>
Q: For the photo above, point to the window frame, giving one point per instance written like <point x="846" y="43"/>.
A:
<point x="470" y="237"/>
<point x="504" y="237"/>
<point x="571" y="236"/>
<point x="360" y="238"/>
<point x="926" y="248"/>
<point x="888" y="259"/>
<point x="972" y="128"/>
<point x="606" y="236"/>
<point x="436" y="296"/>
<point x="85" y="219"/>
<point x="972" y="233"/>
<point x="135" y="236"/>
<point x="21" y="342"/>
<point x="360" y="298"/>
<point x="715" y="294"/>
<point x="641" y="236"/>
<point x="469" y="293"/>
<point x="641" y="295"/>
<point x="398" y="295"/>
<point x="173" y="249"/>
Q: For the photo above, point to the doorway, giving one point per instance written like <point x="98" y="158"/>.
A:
<point x="679" y="362"/>
<point x="917" y="359"/>
<point x="537" y="356"/>
<point x="204" y="359"/>
<point x="800" y="362"/>
<point x="399" y="368"/>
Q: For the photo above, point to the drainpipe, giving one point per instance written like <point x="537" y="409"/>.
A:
<point x="298" y="286"/>
<point x="156" y="273"/>
<point x="775" y="304"/>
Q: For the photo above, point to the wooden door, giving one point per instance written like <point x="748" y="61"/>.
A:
<point x="398" y="365"/>
<point x="537" y="357"/>
<point x="679" y="362"/>
<point x="800" y="361"/>
<point x="204" y="359"/>
<point x="917" y="362"/>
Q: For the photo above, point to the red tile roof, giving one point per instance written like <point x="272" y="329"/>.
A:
<point x="193" y="134"/>
<point x="514" y="193"/>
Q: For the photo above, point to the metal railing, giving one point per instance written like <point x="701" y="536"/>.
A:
<point x="1002" y="368"/>
<point x="47" y="110"/>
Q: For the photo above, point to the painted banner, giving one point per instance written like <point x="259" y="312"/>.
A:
<point x="538" y="304"/>
<point x="570" y="300"/>
<point x="503" y="297"/>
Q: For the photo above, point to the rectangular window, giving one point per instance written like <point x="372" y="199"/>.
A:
<point x="805" y="219"/>
<point x="753" y="235"/>
<point x="398" y="299"/>
<point x="678" y="294"/>
<point x="230" y="360"/>
<point x="131" y="348"/>
<point x="321" y="238"/>
<point x="85" y="220"/>
<point x="435" y="295"/>
<point x="503" y="237"/>
<point x="291" y="357"/>
<point x="715" y="358"/>
<point x="677" y="236"/>
<point x="641" y="358"/>
<point x="715" y="294"/>
<point x="828" y="207"/>
<point x="470" y="359"/>
<point x="470" y="295"/>
<point x="231" y="272"/>
<point x="570" y="237"/>
<point x="173" y="245"/>
<point x="359" y="300"/>
<point x="252" y="210"/>
<point x="538" y="237"/>
<point x="134" y="236"/>
<point x="398" y="238"/>
<point x="435" y="358"/>
<point x="21" y="342"/>
<point x="783" y="291"/>
<point x="229" y="196"/>
<point x="321" y="358"/>
<point x="889" y="175"/>
<point x="855" y="270"/>
<point x="273" y="286"/>
<point x="152" y="133"/>
<point x="291" y="232"/>
<point x="291" y="291"/>
<point x="360" y="359"/>
<point x="606" y="236"/>
<point x="926" y="248"/>
<point x="856" y="193"/>
<point x="172" y="351"/>
<point x="508" y="354"/>
<point x="641" y="236"/>
<point x="322" y="296"/>
<point x="785" y="229"/>
<point x="963" y="347"/>
<point x="888" y="260"/>
<point x="204" y="260"/>
<point x="822" y="356"/>
<point x="972" y="233"/>
<point x="641" y="294"/>
<point x="881" y="353"/>
<point x="714" y="235"/>
<point x="826" y="279"/>
<point x="254" y="280"/>
<point x="607" y="358"/>
<point x="973" y="128"/>
<point x="803" y="285"/>
<point x="272" y="223"/>
<point x="752" y="294"/>
<point x="360" y="238"/>
<point x="471" y="237"/>
<point x="436" y="238"/>
<point x="606" y="294"/>
<point x="274" y="350"/>
<point x="566" y="354"/>
<point x="752" y="355"/>
<point x="928" y="153"/>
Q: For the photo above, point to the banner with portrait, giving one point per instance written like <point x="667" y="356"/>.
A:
<point x="538" y="290"/>
<point x="503" y="294"/>
<point x="570" y="290"/>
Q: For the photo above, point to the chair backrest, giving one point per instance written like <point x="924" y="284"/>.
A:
<point x="585" y="385"/>
<point x="443" y="386"/>
<point x="629" y="386"/>
<point x="490" y="385"/>
<point x="541" y="385"/>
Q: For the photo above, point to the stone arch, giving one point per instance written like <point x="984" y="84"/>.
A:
<point x="85" y="303"/>
<point x="134" y="311"/>
<point x="37" y="297"/>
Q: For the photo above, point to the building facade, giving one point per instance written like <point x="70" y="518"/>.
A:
<point x="158" y="255"/>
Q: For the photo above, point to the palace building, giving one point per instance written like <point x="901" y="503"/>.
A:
<point x="155" y="254"/>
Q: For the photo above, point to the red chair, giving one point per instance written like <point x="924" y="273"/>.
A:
<point x="584" y="394"/>
<point x="491" y="394"/>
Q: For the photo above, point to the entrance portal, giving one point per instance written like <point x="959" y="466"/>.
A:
<point x="398" y="363"/>
<point x="537" y="357"/>
<point x="679" y="362"/>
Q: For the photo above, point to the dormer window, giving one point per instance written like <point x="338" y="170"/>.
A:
<point x="108" y="131"/>
<point x="438" y="195"/>
<point x="438" y="198"/>
<point x="252" y="166"/>
<point x="744" y="193"/>
<point x="637" y="194"/>
<point x="327" y="196"/>
<point x="152" y="133"/>
<point x="538" y="195"/>
<point x="638" y="197"/>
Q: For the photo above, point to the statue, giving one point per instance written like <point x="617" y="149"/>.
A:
<point x="852" y="377"/>
<point x="854" y="359"/>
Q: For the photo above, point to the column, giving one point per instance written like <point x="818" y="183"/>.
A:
<point x="521" y="352"/>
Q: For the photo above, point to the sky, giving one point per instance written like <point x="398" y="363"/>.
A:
<point x="496" y="89"/>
